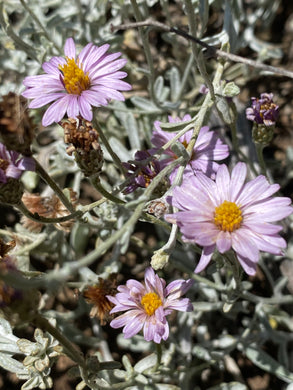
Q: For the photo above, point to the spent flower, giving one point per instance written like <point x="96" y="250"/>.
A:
<point x="75" y="84"/>
<point x="147" y="305"/>
<point x="208" y="148"/>
<point x="263" y="110"/>
<point x="230" y="214"/>
<point x="141" y="171"/>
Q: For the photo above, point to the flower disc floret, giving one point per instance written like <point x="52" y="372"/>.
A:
<point x="229" y="214"/>
<point x="76" y="83"/>
<point x="147" y="305"/>
<point x="74" y="79"/>
<point x="151" y="302"/>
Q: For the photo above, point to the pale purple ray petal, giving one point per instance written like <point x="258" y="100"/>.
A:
<point x="244" y="246"/>
<point x="56" y="111"/>
<point x="45" y="99"/>
<point x="94" y="98"/>
<point x="238" y="176"/>
<point x="69" y="48"/>
<point x="205" y="258"/>
<point x="224" y="241"/>
<point x="223" y="183"/>
<point x="73" y="106"/>
<point x="248" y="266"/>
<point x="85" y="109"/>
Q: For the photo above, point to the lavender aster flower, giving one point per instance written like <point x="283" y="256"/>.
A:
<point x="208" y="148"/>
<point x="142" y="173"/>
<point x="76" y="83"/>
<point x="147" y="305"/>
<point x="230" y="214"/>
<point x="263" y="110"/>
<point x="12" y="164"/>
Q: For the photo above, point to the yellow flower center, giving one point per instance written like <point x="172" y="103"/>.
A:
<point x="228" y="216"/>
<point x="150" y="303"/>
<point x="74" y="78"/>
<point x="4" y="164"/>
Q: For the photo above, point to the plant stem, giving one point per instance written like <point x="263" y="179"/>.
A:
<point x="259" y="150"/>
<point x="44" y="175"/>
<point x="114" y="156"/>
<point x="97" y="184"/>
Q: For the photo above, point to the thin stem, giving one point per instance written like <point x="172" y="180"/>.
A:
<point x="97" y="184"/>
<point x="44" y="175"/>
<point x="72" y="352"/>
<point x="159" y="356"/>
<point x="259" y="151"/>
<point x="114" y="156"/>
<point x="212" y="51"/>
<point x="37" y="21"/>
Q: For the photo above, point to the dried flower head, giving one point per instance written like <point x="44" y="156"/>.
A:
<point x="142" y="170"/>
<point x="263" y="110"/>
<point x="16" y="127"/>
<point x="48" y="207"/>
<point x="147" y="305"/>
<point x="85" y="145"/>
<point x="97" y="296"/>
<point x="77" y="83"/>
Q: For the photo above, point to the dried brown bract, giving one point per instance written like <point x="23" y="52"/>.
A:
<point x="97" y="296"/>
<point x="48" y="207"/>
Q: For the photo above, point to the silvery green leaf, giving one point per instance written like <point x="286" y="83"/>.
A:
<point x="229" y="386"/>
<point x="201" y="353"/>
<point x="143" y="103"/>
<point x="175" y="83"/>
<point x="118" y="148"/>
<point x="146" y="363"/>
<point x="6" y="334"/>
<point x="164" y="386"/>
<point x="231" y="89"/>
<point x="79" y="238"/>
<point x="12" y="365"/>
<point x="159" y="86"/>
<point x="231" y="27"/>
<point x="135" y="344"/>
<point x="175" y="127"/>
<point x="132" y="130"/>
<point x="127" y="364"/>
<point x="264" y="361"/>
<point x="141" y="379"/>
<point x="204" y="13"/>
<point x="179" y="149"/>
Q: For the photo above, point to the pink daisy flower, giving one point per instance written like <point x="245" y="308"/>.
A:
<point x="230" y="214"/>
<point x="76" y="83"/>
<point x="147" y="305"/>
<point x="208" y="148"/>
